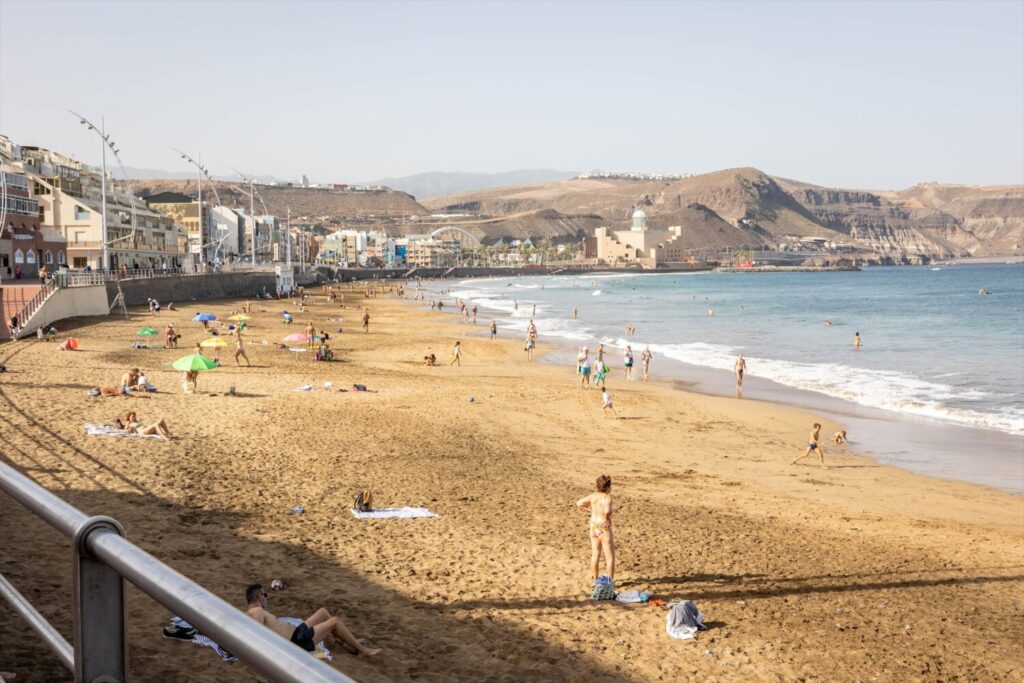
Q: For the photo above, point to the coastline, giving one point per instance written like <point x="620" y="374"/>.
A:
<point x="841" y="574"/>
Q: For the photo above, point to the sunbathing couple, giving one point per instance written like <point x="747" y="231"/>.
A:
<point x="131" y="425"/>
<point x="311" y="631"/>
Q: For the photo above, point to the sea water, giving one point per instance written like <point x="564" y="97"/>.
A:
<point x="935" y="352"/>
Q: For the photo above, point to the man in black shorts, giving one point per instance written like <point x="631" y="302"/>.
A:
<point x="312" y="630"/>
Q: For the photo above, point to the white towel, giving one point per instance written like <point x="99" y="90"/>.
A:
<point x="386" y="513"/>
<point x="305" y="387"/>
<point x="109" y="430"/>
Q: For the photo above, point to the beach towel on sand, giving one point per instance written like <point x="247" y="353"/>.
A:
<point x="109" y="430"/>
<point x="200" y="639"/>
<point x="385" y="513"/>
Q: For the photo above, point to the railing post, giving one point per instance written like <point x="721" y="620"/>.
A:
<point x="101" y="644"/>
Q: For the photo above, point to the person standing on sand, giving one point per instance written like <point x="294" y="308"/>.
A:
<point x="310" y="333"/>
<point x="740" y="368"/>
<point x="627" y="362"/>
<point x="529" y="348"/>
<point x="645" y="361"/>
<point x="494" y="329"/>
<point x="599" y="505"/>
<point x="813" y="445"/>
<point x="366" y="321"/>
<point x="856" y="341"/>
<point x="457" y="354"/>
<point x="312" y="630"/>
<point x="599" y="373"/>
<point x="474" y="314"/>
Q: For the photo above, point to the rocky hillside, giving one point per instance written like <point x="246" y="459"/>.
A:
<point x="314" y="203"/>
<point x="746" y="207"/>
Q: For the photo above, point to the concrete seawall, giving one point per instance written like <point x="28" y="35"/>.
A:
<point x="193" y="288"/>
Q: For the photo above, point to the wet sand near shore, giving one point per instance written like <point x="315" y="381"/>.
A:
<point x="857" y="572"/>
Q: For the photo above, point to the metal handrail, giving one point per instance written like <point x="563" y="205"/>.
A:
<point x="99" y="540"/>
<point x="33" y="304"/>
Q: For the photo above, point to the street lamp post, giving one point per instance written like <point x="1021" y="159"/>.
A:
<point x="106" y="141"/>
<point x="203" y="172"/>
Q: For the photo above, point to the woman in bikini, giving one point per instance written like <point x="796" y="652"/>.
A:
<point x="599" y="505"/>
<point x="132" y="425"/>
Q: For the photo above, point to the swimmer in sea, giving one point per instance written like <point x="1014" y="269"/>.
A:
<point x="856" y="341"/>
<point x="812" y="445"/>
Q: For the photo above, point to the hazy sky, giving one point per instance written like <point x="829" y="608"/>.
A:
<point x="863" y="94"/>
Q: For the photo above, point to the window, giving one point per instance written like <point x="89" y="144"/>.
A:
<point x="81" y="214"/>
<point x="19" y="256"/>
<point x="62" y="258"/>
<point x="80" y="262"/>
<point x="79" y="236"/>
<point x="30" y="256"/>
<point x="48" y="257"/>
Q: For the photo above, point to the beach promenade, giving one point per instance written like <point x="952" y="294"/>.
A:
<point x="859" y="572"/>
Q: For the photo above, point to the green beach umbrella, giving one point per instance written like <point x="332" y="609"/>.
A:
<point x="193" y="363"/>
<point x="148" y="332"/>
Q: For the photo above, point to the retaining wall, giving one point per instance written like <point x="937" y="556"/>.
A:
<point x="68" y="303"/>
<point x="193" y="287"/>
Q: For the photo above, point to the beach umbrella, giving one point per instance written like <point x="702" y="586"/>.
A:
<point x="204" y="317"/>
<point x="214" y="343"/>
<point x="194" y="363"/>
<point x="297" y="338"/>
<point x="239" y="316"/>
<point x="148" y="332"/>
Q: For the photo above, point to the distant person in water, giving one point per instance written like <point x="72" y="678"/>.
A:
<point x="740" y="368"/>
<point x="813" y="445"/>
<point x="856" y="341"/>
<point x="575" y="312"/>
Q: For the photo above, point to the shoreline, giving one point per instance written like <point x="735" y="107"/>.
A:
<point x="892" y="438"/>
<point x="839" y="574"/>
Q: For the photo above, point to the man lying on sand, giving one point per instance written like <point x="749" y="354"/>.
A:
<point x="311" y="631"/>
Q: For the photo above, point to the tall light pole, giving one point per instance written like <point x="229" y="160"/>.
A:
<point x="252" y="210"/>
<point x="106" y="142"/>
<point x="202" y="172"/>
<point x="288" y="237"/>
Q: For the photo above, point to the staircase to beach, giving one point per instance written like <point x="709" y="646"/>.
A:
<point x="23" y="300"/>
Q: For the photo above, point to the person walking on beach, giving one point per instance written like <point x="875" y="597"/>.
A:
<point x="645" y="361"/>
<point x="856" y="341"/>
<point x="627" y="362"/>
<point x="740" y="368"/>
<point x="240" y="349"/>
<point x="599" y="505"/>
<point x="582" y="358"/>
<point x="606" y="403"/>
<point x="366" y="321"/>
<point x="529" y="348"/>
<point x="457" y="354"/>
<point x="312" y="630"/>
<point x="813" y="445"/>
<point x="600" y="372"/>
<point x="310" y="332"/>
<point x="600" y="351"/>
<point x="494" y="329"/>
<point x="474" y="314"/>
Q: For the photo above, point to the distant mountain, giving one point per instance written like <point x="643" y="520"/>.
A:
<point x="438" y="183"/>
<point x="744" y="207"/>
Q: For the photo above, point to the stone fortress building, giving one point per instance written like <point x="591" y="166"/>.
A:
<point x="640" y="245"/>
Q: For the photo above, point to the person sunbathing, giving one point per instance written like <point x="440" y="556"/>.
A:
<point x="312" y="630"/>
<point x="430" y="360"/>
<point x="132" y="425"/>
<point x="108" y="391"/>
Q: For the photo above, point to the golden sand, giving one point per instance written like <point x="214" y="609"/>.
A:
<point x="857" y="572"/>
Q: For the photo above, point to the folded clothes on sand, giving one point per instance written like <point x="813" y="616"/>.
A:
<point x="684" y="620"/>
<point x="109" y="430"/>
<point x="385" y="513"/>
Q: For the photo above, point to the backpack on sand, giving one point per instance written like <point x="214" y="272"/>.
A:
<point x="364" y="502"/>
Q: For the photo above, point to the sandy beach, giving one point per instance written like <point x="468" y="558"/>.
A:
<point x="860" y="572"/>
